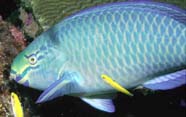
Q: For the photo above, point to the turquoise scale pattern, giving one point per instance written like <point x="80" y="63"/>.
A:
<point x="129" y="45"/>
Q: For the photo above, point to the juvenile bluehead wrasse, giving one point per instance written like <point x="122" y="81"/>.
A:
<point x="16" y="105"/>
<point x="134" y="43"/>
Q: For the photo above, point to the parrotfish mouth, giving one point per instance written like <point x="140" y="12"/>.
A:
<point x="18" y="78"/>
<point x="13" y="75"/>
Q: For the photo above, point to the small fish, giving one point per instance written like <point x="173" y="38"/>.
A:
<point x="115" y="85"/>
<point x="134" y="43"/>
<point x="16" y="105"/>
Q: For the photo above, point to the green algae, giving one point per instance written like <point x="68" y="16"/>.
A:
<point x="49" y="12"/>
<point x="179" y="3"/>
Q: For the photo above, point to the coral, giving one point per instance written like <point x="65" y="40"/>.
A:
<point x="17" y="36"/>
<point x="30" y="27"/>
<point x="49" y="12"/>
<point x="11" y="43"/>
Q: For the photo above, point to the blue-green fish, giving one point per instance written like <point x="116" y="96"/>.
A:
<point x="101" y="50"/>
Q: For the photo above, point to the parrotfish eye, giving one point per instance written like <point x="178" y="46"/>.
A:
<point x="32" y="59"/>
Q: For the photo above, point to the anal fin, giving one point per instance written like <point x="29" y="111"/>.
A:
<point x="101" y="104"/>
<point x="168" y="81"/>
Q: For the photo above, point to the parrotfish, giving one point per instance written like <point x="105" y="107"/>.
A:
<point x="99" y="51"/>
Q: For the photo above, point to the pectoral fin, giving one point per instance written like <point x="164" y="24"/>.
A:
<point x="101" y="104"/>
<point x="166" y="82"/>
<point x="65" y="85"/>
<point x="57" y="89"/>
<point x="115" y="85"/>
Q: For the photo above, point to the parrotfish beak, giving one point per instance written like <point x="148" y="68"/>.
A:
<point x="17" y="78"/>
<point x="13" y="75"/>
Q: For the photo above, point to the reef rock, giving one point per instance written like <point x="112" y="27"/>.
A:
<point x="12" y="41"/>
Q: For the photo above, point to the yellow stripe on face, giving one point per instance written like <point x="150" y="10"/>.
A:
<point x="115" y="85"/>
<point x="23" y="69"/>
<point x="25" y="78"/>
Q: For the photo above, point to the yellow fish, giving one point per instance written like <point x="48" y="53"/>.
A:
<point x="115" y="85"/>
<point x="16" y="105"/>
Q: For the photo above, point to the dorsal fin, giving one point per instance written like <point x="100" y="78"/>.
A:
<point x="161" y="8"/>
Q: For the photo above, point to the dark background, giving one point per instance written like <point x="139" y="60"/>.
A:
<point x="150" y="104"/>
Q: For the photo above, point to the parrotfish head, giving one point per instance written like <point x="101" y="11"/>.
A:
<point x="38" y="65"/>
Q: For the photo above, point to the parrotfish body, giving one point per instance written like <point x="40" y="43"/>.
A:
<point x="134" y="43"/>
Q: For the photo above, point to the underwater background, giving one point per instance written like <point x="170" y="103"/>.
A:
<point x="22" y="20"/>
